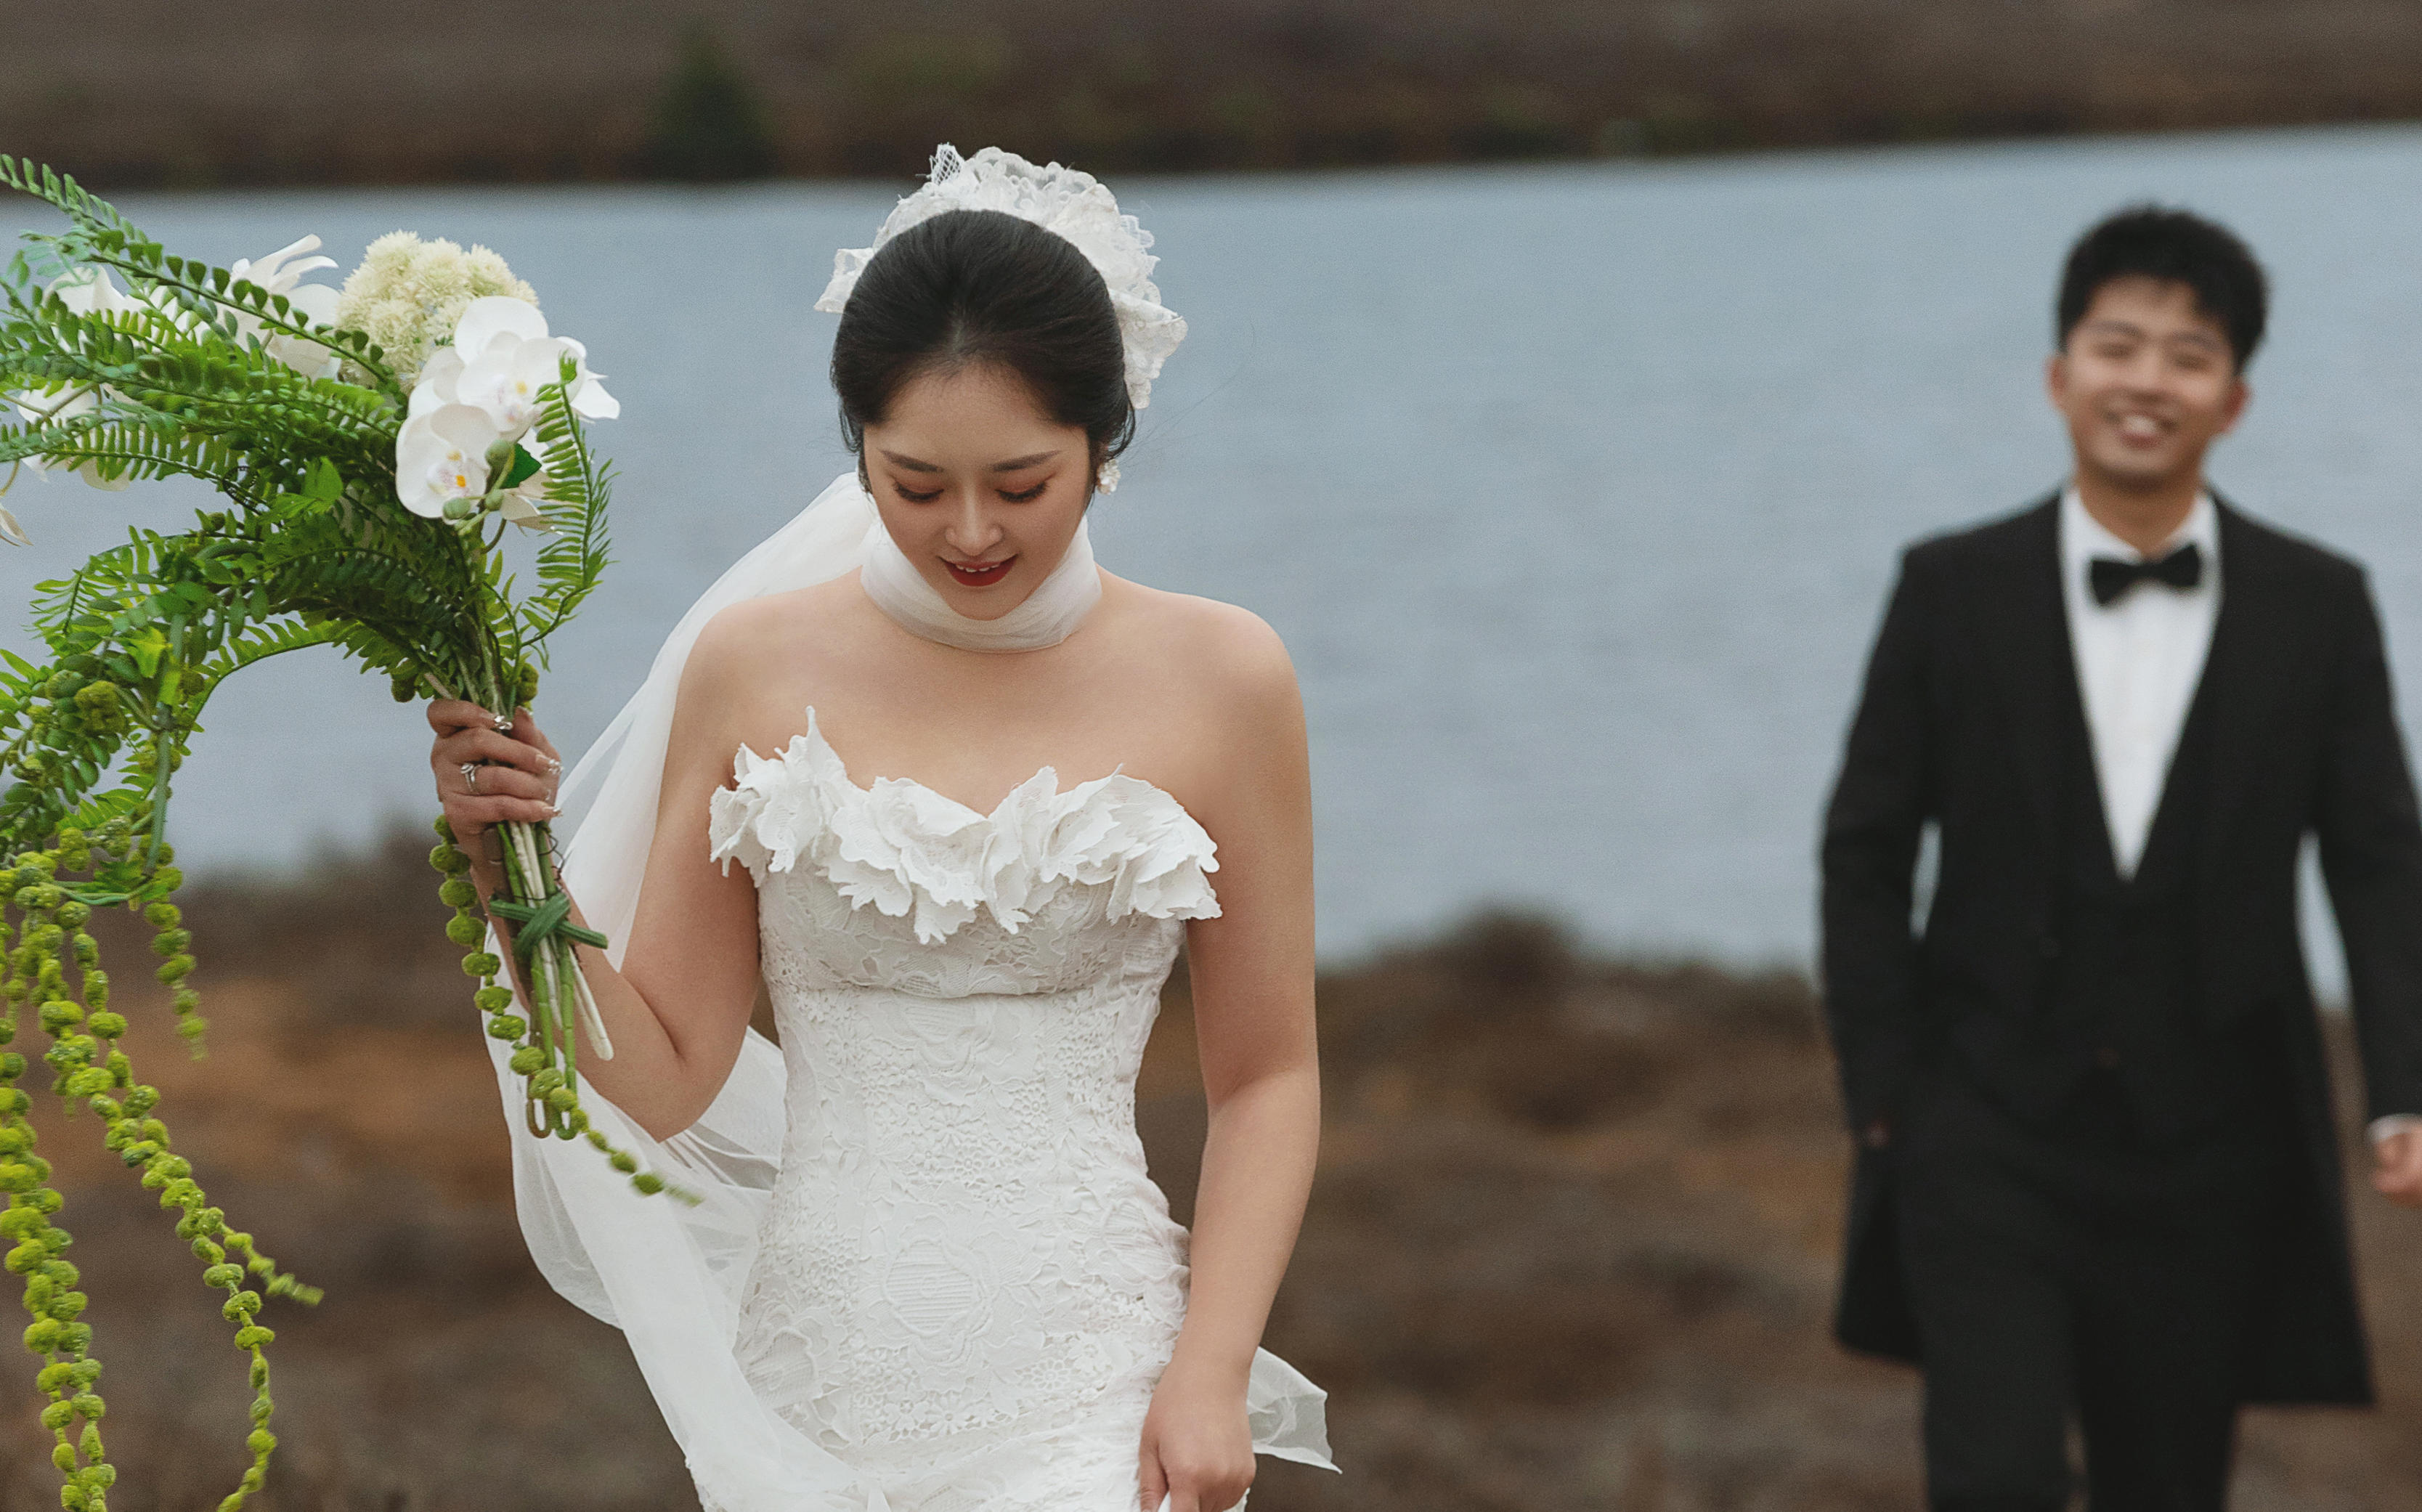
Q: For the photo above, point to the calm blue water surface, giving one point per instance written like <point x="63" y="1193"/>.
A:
<point x="1575" y="490"/>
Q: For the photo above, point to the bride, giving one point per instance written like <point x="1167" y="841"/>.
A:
<point x="979" y="792"/>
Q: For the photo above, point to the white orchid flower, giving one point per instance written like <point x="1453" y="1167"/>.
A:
<point x="41" y="408"/>
<point x="435" y="387"/>
<point x="442" y="455"/>
<point x="523" y="502"/>
<point x="10" y="531"/>
<point x="87" y="292"/>
<point x="316" y="303"/>
<point x="589" y="396"/>
<point x="502" y="358"/>
<point x="500" y="361"/>
<point x="274" y="274"/>
<point x="91" y="291"/>
<point x="76" y="404"/>
<point x="521" y="507"/>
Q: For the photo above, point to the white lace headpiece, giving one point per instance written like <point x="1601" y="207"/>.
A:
<point x="1076" y="206"/>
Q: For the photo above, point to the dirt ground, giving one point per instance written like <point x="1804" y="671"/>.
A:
<point x="1571" y="1246"/>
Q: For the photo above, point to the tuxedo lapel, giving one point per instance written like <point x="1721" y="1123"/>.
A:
<point x="2187" y="788"/>
<point x="2249" y="666"/>
<point x="2025" y="628"/>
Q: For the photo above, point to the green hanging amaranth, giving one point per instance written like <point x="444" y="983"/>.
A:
<point x="199" y="372"/>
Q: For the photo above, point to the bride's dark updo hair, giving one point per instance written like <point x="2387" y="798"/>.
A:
<point x="976" y="287"/>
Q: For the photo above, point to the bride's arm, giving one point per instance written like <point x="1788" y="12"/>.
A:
<point x="678" y="1009"/>
<point x="1252" y="971"/>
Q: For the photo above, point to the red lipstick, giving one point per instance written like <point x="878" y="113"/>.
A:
<point x="980" y="573"/>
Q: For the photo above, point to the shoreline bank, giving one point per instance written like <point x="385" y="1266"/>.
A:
<point x="159" y="96"/>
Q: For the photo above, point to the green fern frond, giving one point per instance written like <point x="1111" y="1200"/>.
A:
<point x="578" y="490"/>
<point x="313" y="547"/>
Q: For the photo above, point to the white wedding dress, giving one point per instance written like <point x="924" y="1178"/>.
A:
<point x="966" y="1284"/>
<point x="918" y="1265"/>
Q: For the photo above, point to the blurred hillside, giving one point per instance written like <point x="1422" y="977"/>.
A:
<point x="148" y="92"/>
<point x="1571" y="1247"/>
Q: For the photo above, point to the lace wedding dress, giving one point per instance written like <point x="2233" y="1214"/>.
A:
<point x="966" y="1284"/>
<point x="916" y="1264"/>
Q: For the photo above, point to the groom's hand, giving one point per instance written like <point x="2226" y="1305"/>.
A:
<point x="2398" y="1167"/>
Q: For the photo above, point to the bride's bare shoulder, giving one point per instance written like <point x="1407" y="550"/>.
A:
<point x="1233" y="648"/>
<point x="776" y="624"/>
<point x="757" y="663"/>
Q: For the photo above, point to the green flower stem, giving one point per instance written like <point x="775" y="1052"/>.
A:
<point x="546" y="1051"/>
<point x="528" y="884"/>
<point x="161" y="768"/>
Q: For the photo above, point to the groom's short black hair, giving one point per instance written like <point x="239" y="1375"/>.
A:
<point x="2176" y="246"/>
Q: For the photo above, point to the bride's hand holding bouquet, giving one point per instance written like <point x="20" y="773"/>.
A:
<point x="492" y="770"/>
<point x="369" y="446"/>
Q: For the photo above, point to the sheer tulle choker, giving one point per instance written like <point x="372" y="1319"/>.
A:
<point x="1049" y="614"/>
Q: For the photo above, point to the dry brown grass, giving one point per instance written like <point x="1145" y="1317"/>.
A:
<point x="1571" y="1247"/>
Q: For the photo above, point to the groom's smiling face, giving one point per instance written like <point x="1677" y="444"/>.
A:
<point x="2146" y="381"/>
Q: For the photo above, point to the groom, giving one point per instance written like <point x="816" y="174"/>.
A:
<point x="2098" y="1178"/>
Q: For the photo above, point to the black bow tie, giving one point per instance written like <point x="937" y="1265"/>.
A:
<point x="2110" y="577"/>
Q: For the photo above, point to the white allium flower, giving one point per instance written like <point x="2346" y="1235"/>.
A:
<point x="408" y="295"/>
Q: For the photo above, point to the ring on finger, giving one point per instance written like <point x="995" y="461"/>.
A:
<point x="504" y="723"/>
<point x="471" y="778"/>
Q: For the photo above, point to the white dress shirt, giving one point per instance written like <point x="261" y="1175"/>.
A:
<point x="2138" y="661"/>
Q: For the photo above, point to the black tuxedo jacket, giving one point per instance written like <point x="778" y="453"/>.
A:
<point x="1961" y="725"/>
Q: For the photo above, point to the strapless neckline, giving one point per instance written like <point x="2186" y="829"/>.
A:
<point x="910" y="850"/>
<point x="1045" y="774"/>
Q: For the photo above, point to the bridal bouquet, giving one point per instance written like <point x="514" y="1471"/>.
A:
<point x="370" y="445"/>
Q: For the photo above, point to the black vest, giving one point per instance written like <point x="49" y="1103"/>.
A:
<point x="2121" y="996"/>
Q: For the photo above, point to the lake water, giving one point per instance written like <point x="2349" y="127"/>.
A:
<point x="1573" y="490"/>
